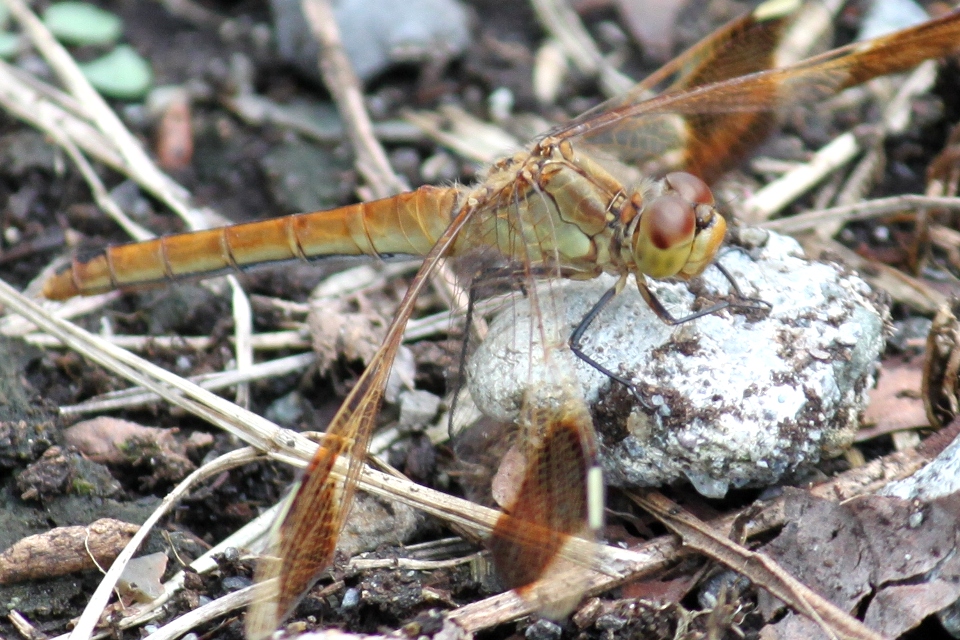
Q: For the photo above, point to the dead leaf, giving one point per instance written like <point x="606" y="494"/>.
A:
<point x="111" y="441"/>
<point x="895" y="404"/>
<point x="848" y="552"/>
<point x="64" y="550"/>
<point x="339" y="329"/>
<point x="897" y="609"/>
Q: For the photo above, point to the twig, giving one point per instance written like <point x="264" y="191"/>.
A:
<point x="136" y="396"/>
<point x="50" y="110"/>
<point x="761" y="569"/>
<point x="134" y="158"/>
<point x="23" y="626"/>
<point x="467" y="135"/>
<point x="98" y="601"/>
<point x="781" y="192"/>
<point x="342" y="83"/>
<point x="100" y="113"/>
<point x="865" y="210"/>
<point x="266" y="341"/>
<point x="364" y="564"/>
<point x="15" y="326"/>
<point x="560" y="20"/>
<point x="790" y="186"/>
<point x="97" y="187"/>
<point x="205" y="613"/>
<point x="251" y="536"/>
<point x="242" y="334"/>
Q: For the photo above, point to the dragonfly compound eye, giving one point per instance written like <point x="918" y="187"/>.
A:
<point x="689" y="187"/>
<point x="664" y="236"/>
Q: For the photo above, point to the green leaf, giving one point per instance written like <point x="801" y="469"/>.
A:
<point x="80" y="23"/>
<point x="121" y="74"/>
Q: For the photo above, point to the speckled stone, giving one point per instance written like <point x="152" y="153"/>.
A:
<point x="730" y="399"/>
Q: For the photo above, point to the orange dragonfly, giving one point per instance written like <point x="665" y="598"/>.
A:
<point x="623" y="189"/>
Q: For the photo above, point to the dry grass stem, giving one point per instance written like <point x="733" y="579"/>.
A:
<point x="858" y="211"/>
<point x="560" y="20"/>
<point x="100" y="114"/>
<point x="343" y="84"/>
<point x="136" y="396"/>
<point x="783" y="191"/>
<point x="98" y="601"/>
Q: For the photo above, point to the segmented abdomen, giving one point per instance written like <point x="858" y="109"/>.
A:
<point x="408" y="223"/>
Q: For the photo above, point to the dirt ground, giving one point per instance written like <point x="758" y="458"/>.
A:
<point x="247" y="171"/>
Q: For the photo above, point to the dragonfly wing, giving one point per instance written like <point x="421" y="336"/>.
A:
<point x="746" y="45"/>
<point x="548" y="526"/>
<point x="710" y="121"/>
<point x="305" y="538"/>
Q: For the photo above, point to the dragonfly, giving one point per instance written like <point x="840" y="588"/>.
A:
<point x="622" y="189"/>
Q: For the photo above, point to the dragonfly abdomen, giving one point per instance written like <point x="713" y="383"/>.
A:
<point x="408" y="223"/>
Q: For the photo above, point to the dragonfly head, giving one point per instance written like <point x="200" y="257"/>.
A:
<point x="679" y="231"/>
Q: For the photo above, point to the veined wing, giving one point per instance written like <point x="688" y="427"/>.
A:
<point x="744" y="46"/>
<point x="305" y="537"/>
<point x="709" y="120"/>
<point x="558" y="510"/>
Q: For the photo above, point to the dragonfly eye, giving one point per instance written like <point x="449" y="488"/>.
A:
<point x="689" y="187"/>
<point x="664" y="235"/>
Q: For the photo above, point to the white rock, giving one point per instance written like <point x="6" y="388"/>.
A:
<point x="732" y="400"/>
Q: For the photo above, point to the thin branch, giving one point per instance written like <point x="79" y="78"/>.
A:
<point x="343" y="84"/>
<point x="565" y="25"/>
<point x="761" y="569"/>
<point x="98" y="601"/>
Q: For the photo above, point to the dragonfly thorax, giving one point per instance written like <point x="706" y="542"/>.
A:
<point x="678" y="230"/>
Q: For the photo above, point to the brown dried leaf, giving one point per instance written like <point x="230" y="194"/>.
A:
<point x="793" y="626"/>
<point x="111" y="441"/>
<point x="864" y="547"/>
<point x="895" y="404"/>
<point x="64" y="550"/>
<point x="339" y="329"/>
<point x="897" y="609"/>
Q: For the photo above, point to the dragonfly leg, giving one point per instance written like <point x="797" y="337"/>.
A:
<point x="576" y="341"/>
<point x="457" y="382"/>
<point x="742" y="301"/>
<point x="745" y="302"/>
<point x="576" y="338"/>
